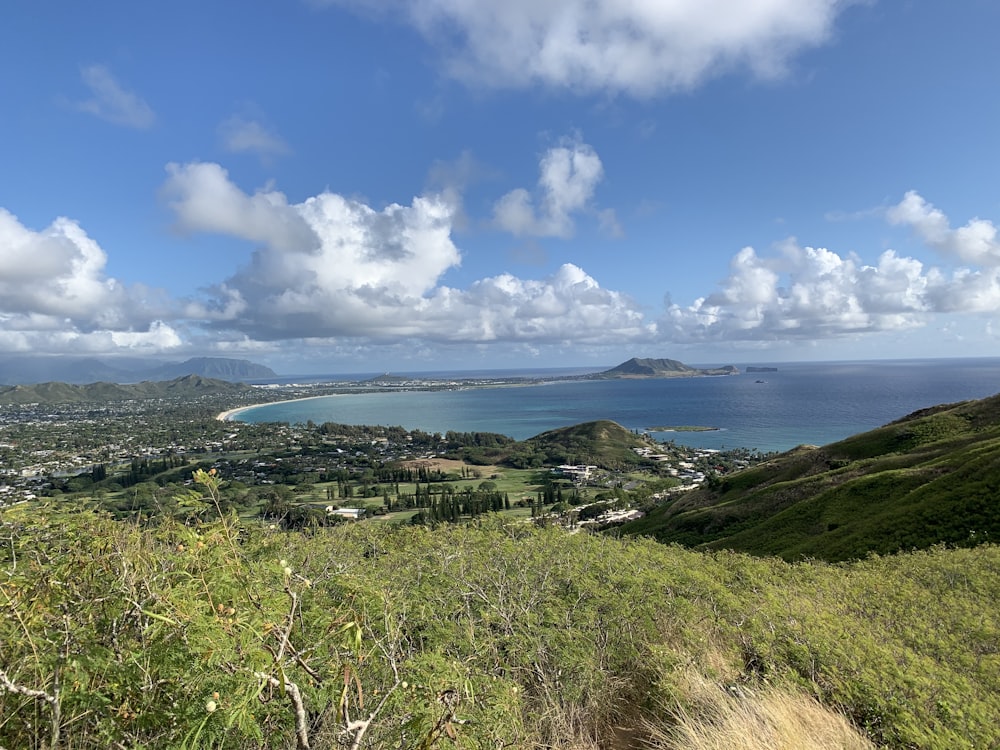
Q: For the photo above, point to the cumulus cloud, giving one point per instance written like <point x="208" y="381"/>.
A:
<point x="803" y="293"/>
<point x="568" y="177"/>
<point x="111" y="102"/>
<point x="240" y="135"/>
<point x="55" y="295"/>
<point x="204" y="200"/>
<point x="331" y="267"/>
<point x="814" y="293"/>
<point x="976" y="242"/>
<point x="569" y="306"/>
<point x="638" y="48"/>
<point x="57" y="272"/>
<point x="158" y="338"/>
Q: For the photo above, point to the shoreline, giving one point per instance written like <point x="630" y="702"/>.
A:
<point x="227" y="416"/>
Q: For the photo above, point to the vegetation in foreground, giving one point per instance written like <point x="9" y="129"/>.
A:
<point x="483" y="635"/>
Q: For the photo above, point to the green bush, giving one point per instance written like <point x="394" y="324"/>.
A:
<point x="474" y="635"/>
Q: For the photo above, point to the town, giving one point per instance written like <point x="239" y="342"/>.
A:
<point x="137" y="456"/>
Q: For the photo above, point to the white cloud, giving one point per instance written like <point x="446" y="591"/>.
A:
<point x="570" y="306"/>
<point x="54" y="294"/>
<point x="807" y="293"/>
<point x="360" y="272"/>
<point x="804" y="293"/>
<point x="242" y="135"/>
<point x="641" y="47"/>
<point x="111" y="102"/>
<point x="331" y="272"/>
<point x="56" y="272"/>
<point x="975" y="243"/>
<point x="204" y="200"/>
<point x="158" y="338"/>
<point x="568" y="177"/>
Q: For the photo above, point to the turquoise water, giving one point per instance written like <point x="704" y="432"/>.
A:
<point x="814" y="403"/>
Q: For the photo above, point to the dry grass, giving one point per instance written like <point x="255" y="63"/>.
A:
<point x="768" y="719"/>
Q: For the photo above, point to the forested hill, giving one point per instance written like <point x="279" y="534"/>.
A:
<point x="602" y="443"/>
<point x="932" y="477"/>
<point x="66" y="393"/>
<point x="659" y="368"/>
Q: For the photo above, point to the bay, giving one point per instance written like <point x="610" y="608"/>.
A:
<point x="800" y="403"/>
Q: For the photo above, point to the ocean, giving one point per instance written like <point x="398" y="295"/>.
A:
<point x="801" y="403"/>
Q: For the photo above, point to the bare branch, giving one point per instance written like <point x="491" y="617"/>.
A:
<point x="295" y="696"/>
<point x="53" y="700"/>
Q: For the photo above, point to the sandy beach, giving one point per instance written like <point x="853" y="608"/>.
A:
<point x="227" y="416"/>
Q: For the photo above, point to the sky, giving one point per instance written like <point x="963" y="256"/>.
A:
<point x="388" y="185"/>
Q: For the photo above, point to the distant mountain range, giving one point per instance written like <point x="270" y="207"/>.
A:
<point x="65" y="393"/>
<point x="28" y="369"/>
<point x="659" y="368"/>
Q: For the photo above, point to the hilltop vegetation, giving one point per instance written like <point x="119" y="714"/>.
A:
<point x="602" y="443"/>
<point x="932" y="477"/>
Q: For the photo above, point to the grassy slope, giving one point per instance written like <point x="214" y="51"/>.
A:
<point x="928" y="478"/>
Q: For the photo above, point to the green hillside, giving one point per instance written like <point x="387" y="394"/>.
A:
<point x="932" y="477"/>
<point x="602" y="443"/>
<point x="65" y="393"/>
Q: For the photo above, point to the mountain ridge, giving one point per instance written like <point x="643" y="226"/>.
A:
<point x="24" y="369"/>
<point x="103" y="392"/>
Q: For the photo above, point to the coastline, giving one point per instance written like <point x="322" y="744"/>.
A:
<point x="227" y="416"/>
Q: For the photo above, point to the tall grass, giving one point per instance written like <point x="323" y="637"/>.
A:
<point x="735" y="718"/>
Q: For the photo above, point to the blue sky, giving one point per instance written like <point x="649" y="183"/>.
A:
<point x="337" y="185"/>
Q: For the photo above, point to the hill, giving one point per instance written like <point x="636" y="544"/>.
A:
<point x="660" y="368"/>
<point x="23" y="369"/>
<point x="602" y="443"/>
<point x="67" y="393"/>
<point x="932" y="477"/>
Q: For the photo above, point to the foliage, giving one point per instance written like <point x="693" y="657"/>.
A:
<point x="217" y="633"/>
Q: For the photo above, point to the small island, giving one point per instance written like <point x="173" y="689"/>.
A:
<point x="683" y="428"/>
<point x="660" y="368"/>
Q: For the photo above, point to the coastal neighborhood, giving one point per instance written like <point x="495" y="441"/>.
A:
<point x="147" y="449"/>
